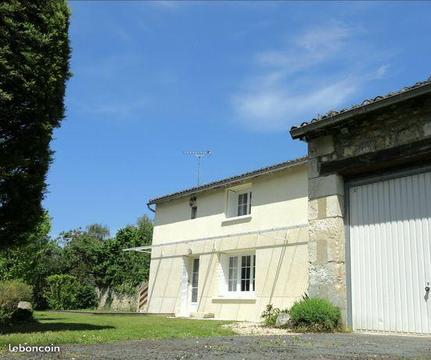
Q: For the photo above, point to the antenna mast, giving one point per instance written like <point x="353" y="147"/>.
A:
<point x="199" y="155"/>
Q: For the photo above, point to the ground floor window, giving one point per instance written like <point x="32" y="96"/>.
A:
<point x="195" y="280"/>
<point x="241" y="273"/>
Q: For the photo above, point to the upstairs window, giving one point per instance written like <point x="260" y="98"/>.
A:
<point x="244" y="204"/>
<point x="238" y="201"/>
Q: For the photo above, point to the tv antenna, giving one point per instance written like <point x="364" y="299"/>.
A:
<point x="198" y="155"/>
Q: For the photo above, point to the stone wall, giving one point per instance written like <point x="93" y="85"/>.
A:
<point x="390" y="128"/>
<point x="110" y="300"/>
<point x="326" y="228"/>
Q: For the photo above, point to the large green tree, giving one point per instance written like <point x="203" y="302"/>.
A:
<point x="34" y="67"/>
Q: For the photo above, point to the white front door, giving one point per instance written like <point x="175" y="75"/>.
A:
<point x="390" y="254"/>
<point x="184" y="289"/>
<point x="194" y="285"/>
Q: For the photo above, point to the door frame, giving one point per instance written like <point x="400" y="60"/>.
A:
<point x="184" y="288"/>
<point x="192" y="307"/>
<point x="364" y="180"/>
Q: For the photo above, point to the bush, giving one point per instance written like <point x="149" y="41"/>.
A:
<point x="11" y="293"/>
<point x="270" y="315"/>
<point x="65" y="292"/>
<point x="86" y="297"/>
<point x="22" y="315"/>
<point x="314" y="314"/>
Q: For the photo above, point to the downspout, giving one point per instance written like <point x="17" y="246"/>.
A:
<point x="150" y="208"/>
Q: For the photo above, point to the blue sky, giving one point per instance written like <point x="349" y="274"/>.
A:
<point x="154" y="79"/>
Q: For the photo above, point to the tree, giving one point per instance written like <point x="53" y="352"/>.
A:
<point x="126" y="270"/>
<point x="33" y="262"/>
<point x="87" y="255"/>
<point x="82" y="255"/>
<point x="98" y="231"/>
<point x="34" y="67"/>
<point x="94" y="259"/>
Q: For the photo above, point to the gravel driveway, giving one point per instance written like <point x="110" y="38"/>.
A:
<point x="305" y="346"/>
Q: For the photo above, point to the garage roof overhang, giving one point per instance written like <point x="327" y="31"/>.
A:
<point x="334" y="118"/>
<point x="412" y="154"/>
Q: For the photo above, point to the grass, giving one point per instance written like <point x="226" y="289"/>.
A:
<point x="72" y="328"/>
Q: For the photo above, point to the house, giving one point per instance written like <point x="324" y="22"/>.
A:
<point x="351" y="222"/>
<point x="229" y="248"/>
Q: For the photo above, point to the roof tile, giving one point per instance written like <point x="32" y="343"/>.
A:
<point x="230" y="180"/>
<point x="365" y="102"/>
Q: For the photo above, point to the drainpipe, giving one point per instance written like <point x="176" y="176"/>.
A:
<point x="150" y="208"/>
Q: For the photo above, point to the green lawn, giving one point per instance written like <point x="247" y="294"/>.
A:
<point x="66" y="328"/>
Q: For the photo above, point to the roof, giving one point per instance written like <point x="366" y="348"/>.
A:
<point x="229" y="181"/>
<point x="333" y="116"/>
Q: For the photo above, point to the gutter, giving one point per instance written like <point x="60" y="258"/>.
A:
<point x="231" y="181"/>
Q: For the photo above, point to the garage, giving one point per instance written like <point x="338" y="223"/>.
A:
<point x="369" y="199"/>
<point x="389" y="244"/>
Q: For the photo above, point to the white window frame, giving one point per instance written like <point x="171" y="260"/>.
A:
<point x="241" y="204"/>
<point x="194" y="281"/>
<point x="233" y="205"/>
<point x="233" y="286"/>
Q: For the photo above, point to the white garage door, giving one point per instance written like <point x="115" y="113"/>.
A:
<point x="390" y="254"/>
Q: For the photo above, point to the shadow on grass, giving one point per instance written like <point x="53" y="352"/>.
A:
<point x="35" y="326"/>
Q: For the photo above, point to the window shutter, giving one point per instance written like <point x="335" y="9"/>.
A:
<point x="231" y="203"/>
<point x="223" y="274"/>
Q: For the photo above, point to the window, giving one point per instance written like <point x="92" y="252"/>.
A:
<point x="238" y="202"/>
<point x="195" y="280"/>
<point x="244" y="204"/>
<point x="194" y="212"/>
<point x="241" y="274"/>
<point x="245" y="272"/>
<point x="233" y="273"/>
<point x="253" y="273"/>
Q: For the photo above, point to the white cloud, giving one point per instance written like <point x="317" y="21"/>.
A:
<point x="320" y="69"/>
<point x="269" y="109"/>
<point x="329" y="37"/>
<point x="381" y="71"/>
<point x="309" y="48"/>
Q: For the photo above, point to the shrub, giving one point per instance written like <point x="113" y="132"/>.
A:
<point x="65" y="292"/>
<point x="11" y="293"/>
<point x="22" y="315"/>
<point x="270" y="315"/>
<point x="86" y="297"/>
<point x="314" y="314"/>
